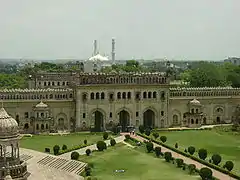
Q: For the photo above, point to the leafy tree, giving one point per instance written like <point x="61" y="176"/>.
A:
<point x="168" y="156"/>
<point x="163" y="139"/>
<point x="141" y="129"/>
<point x="228" y="165"/>
<point x="74" y="155"/>
<point x="88" y="152"/>
<point x="158" y="151"/>
<point x="149" y="146"/>
<point x="155" y="135"/>
<point x="191" y="150"/>
<point x="205" y="173"/>
<point x="12" y="81"/>
<point x="112" y="142"/>
<point x="202" y="154"/>
<point x="101" y="145"/>
<point x="64" y="147"/>
<point x="216" y="158"/>
<point x="105" y="135"/>
<point x="56" y="149"/>
<point x="179" y="162"/>
<point x="192" y="168"/>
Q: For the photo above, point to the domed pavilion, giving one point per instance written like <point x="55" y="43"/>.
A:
<point x="11" y="167"/>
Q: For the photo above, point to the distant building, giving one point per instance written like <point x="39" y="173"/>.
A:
<point x="96" y="63"/>
<point x="233" y="60"/>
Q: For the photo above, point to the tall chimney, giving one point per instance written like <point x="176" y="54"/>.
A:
<point x="95" y="48"/>
<point x="113" y="50"/>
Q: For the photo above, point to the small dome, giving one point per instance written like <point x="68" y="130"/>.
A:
<point x="98" y="57"/>
<point x="8" y="177"/>
<point x="41" y="105"/>
<point x="8" y="125"/>
<point x="195" y="102"/>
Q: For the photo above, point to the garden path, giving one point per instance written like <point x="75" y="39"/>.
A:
<point x="92" y="147"/>
<point x="187" y="160"/>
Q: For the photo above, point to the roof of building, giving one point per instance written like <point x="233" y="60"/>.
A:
<point x="8" y="125"/>
<point x="98" y="57"/>
<point x="41" y="105"/>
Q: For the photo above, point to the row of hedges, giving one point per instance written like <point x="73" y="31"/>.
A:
<point x="187" y="129"/>
<point x="192" y="157"/>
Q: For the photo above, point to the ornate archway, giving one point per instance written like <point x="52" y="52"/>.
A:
<point x="124" y="119"/>
<point x="97" y="117"/>
<point x="61" y="121"/>
<point x="175" y="120"/>
<point x="149" y="118"/>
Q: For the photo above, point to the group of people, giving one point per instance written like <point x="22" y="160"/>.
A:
<point x="132" y="132"/>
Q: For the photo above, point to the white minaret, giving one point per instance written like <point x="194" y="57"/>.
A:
<point x="95" y="51"/>
<point x="113" y="50"/>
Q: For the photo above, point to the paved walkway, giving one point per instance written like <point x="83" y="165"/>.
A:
<point x="82" y="151"/>
<point x="187" y="160"/>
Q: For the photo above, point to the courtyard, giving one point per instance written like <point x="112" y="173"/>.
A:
<point x="136" y="163"/>
<point x="225" y="144"/>
<point x="40" y="142"/>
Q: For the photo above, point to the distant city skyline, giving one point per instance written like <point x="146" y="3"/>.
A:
<point x="63" y="29"/>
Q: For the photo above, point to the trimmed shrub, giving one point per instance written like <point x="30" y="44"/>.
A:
<point x="85" y="141"/>
<point x="88" y="170"/>
<point x="179" y="162"/>
<point x="155" y="135"/>
<point x="101" y="145"/>
<point x="163" y="139"/>
<point x="185" y="150"/>
<point x="191" y="168"/>
<point x="148" y="132"/>
<point x="228" y="165"/>
<point x="127" y="136"/>
<point x="47" y="150"/>
<point x="168" y="156"/>
<point x="64" y="147"/>
<point x="74" y="155"/>
<point x="149" y="146"/>
<point x="216" y="159"/>
<point x="176" y="145"/>
<point x="205" y="173"/>
<point x="105" y="135"/>
<point x="191" y="150"/>
<point x="56" y="149"/>
<point x="112" y="142"/>
<point x="158" y="151"/>
<point x="202" y="154"/>
<point x="141" y="129"/>
<point x="88" y="152"/>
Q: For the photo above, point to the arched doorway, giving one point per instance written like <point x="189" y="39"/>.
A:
<point x="98" y="121"/>
<point x="124" y="119"/>
<point x="175" y="120"/>
<point x="204" y="120"/>
<point x="218" y="120"/>
<point x="61" y="123"/>
<point x="26" y="126"/>
<point x="148" y="119"/>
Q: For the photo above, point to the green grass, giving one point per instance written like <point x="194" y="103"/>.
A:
<point x="138" y="165"/>
<point x="40" y="142"/>
<point x="225" y="144"/>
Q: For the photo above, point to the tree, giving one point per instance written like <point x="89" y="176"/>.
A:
<point x="141" y="129"/>
<point x="74" y="155"/>
<point x="88" y="152"/>
<point x="168" y="156"/>
<point x="158" y="151"/>
<point x="163" y="139"/>
<point x="228" y="165"/>
<point x="205" y="173"/>
<point x="101" y="145"/>
<point x="149" y="146"/>
<point x="202" y="154"/>
<point x="112" y="142"/>
<point x="88" y="170"/>
<point x="64" y="147"/>
<point x="192" y="168"/>
<point x="179" y="162"/>
<point x="155" y="135"/>
<point x="148" y="132"/>
<point x="105" y="135"/>
<point x="216" y="159"/>
<point x="56" y="149"/>
<point x="191" y="150"/>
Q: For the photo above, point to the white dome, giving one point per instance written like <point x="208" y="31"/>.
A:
<point x="8" y="125"/>
<point x="8" y="177"/>
<point x="98" y="57"/>
<point x="41" y="105"/>
<point x="195" y="102"/>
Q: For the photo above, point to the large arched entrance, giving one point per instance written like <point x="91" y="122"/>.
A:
<point x="61" y="123"/>
<point x="124" y="120"/>
<point x="148" y="119"/>
<point x="98" y="121"/>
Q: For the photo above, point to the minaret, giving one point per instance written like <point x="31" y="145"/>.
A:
<point x="113" y="50"/>
<point x="95" y="48"/>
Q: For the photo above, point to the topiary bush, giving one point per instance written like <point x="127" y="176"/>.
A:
<point x="179" y="162"/>
<point x="185" y="150"/>
<point x="202" y="154"/>
<point x="141" y="129"/>
<point x="56" y="149"/>
<point x="176" y="145"/>
<point x="112" y="142"/>
<point x="149" y="147"/>
<point x="85" y="141"/>
<point x="64" y="147"/>
<point x="148" y="132"/>
<point x="88" y="170"/>
<point x="74" y="155"/>
<point x="163" y="139"/>
<point x="88" y="152"/>
<point x="158" y="151"/>
<point x="191" y="150"/>
<point x="155" y="135"/>
<point x="205" y="173"/>
<point x="191" y="168"/>
<point x="47" y="150"/>
<point x="228" y="165"/>
<point x="168" y="156"/>
<point x="105" y="135"/>
<point x="216" y="159"/>
<point x="101" y="145"/>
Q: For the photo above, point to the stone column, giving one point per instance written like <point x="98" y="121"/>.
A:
<point x="4" y="154"/>
<point x="78" y="107"/>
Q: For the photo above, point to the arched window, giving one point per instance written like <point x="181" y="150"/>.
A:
<point x="97" y="95"/>
<point x="46" y="126"/>
<point x="129" y="95"/>
<point x="102" y="95"/>
<point x="124" y="95"/>
<point x="92" y="95"/>
<point x="154" y="94"/>
<point x="149" y="95"/>
<point x="37" y="126"/>
<point x="196" y="121"/>
<point x="119" y="95"/>
<point x="144" y="95"/>
<point x="192" y="121"/>
<point x="42" y="127"/>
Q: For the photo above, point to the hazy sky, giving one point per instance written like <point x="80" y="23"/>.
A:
<point x="179" y="29"/>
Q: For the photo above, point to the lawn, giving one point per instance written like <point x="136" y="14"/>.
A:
<point x="138" y="165"/>
<point x="225" y="144"/>
<point x="40" y="142"/>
